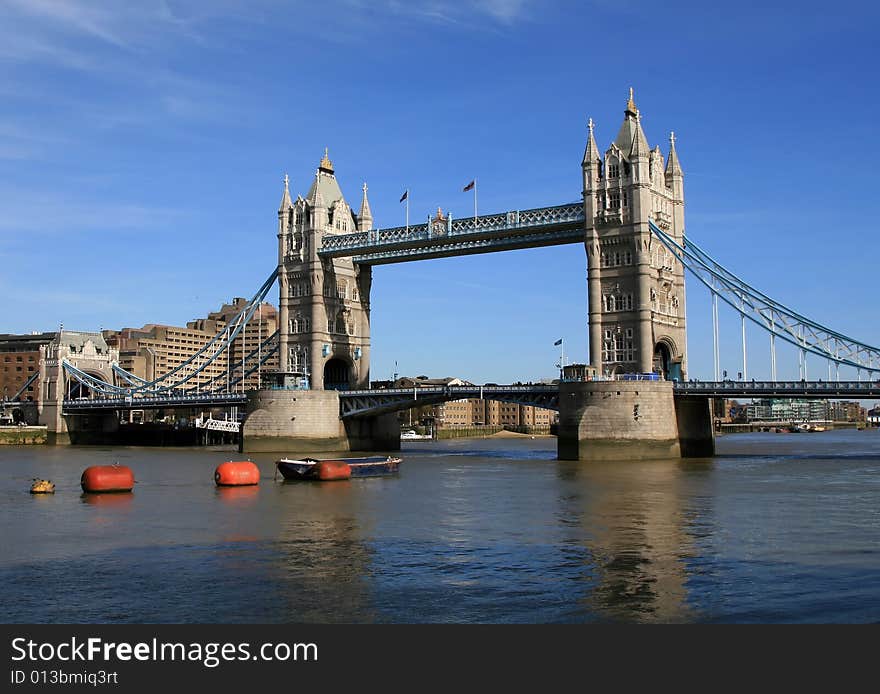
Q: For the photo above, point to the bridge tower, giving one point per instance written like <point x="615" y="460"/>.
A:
<point x="324" y="303"/>
<point x="324" y="331"/>
<point x="89" y="352"/>
<point x="636" y="287"/>
<point x="636" y="309"/>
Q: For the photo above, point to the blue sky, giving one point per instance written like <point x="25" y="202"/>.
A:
<point x="143" y="145"/>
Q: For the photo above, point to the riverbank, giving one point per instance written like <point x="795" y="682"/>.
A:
<point x="18" y="435"/>
<point x="482" y="432"/>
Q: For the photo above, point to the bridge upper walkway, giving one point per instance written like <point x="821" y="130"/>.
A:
<point x="542" y="226"/>
<point x="368" y="403"/>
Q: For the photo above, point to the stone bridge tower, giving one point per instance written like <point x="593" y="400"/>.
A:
<point x="636" y="287"/>
<point x="324" y="304"/>
<point x="87" y="351"/>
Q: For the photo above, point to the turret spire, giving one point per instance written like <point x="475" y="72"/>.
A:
<point x="673" y="167"/>
<point x="286" y="204"/>
<point x="316" y="199"/>
<point x="591" y="153"/>
<point x="639" y="142"/>
<point x="365" y="216"/>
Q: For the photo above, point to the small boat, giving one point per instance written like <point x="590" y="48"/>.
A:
<point x="313" y="469"/>
<point x="42" y="487"/>
<point x="411" y="435"/>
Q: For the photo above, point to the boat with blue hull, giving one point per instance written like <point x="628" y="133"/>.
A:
<point x="311" y="468"/>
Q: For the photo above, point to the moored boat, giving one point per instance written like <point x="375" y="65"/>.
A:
<point x="312" y="469"/>
<point x="411" y="435"/>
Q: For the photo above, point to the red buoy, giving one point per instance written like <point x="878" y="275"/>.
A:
<point x="107" y="478"/>
<point x="236" y="474"/>
<point x="329" y="470"/>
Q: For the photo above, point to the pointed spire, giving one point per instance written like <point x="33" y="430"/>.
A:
<point x="673" y="167"/>
<point x="639" y="146"/>
<point x="316" y="199"/>
<point x="591" y="153"/>
<point x="286" y="204"/>
<point x="326" y="165"/>
<point x="365" y="212"/>
<point x="631" y="104"/>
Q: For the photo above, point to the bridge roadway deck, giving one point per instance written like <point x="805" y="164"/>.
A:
<point x="363" y="403"/>
<point x="832" y="390"/>
<point x="544" y="226"/>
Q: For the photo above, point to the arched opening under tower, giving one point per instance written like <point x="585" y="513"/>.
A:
<point x="336" y="375"/>
<point x="74" y="389"/>
<point x="662" y="359"/>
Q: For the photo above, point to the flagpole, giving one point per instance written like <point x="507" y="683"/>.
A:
<point x="407" y="210"/>
<point x="475" y="203"/>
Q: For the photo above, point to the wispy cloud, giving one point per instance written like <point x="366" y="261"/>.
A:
<point x="37" y="211"/>
<point x="473" y="14"/>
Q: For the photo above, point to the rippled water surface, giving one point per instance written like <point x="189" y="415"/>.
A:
<point x="776" y="528"/>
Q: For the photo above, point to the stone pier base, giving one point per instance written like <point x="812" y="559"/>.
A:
<point x="629" y="420"/>
<point x="695" y="433"/>
<point x="300" y="422"/>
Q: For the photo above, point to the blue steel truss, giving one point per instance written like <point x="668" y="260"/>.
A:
<point x="772" y="316"/>
<point x="174" y="379"/>
<point x="543" y="226"/>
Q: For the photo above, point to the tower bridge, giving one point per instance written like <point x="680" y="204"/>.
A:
<point x="631" y="223"/>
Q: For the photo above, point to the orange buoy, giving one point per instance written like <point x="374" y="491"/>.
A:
<point x="329" y="470"/>
<point x="236" y="474"/>
<point x="107" y="478"/>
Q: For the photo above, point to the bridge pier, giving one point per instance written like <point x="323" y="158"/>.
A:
<point x="630" y="420"/>
<point x="696" y="436"/>
<point x="297" y="422"/>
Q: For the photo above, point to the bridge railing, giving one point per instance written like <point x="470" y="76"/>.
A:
<point x="166" y="401"/>
<point x="755" y="387"/>
<point x="415" y="233"/>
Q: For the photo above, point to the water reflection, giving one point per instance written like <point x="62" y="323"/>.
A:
<point x="632" y="520"/>
<point x="324" y="559"/>
<point x="238" y="496"/>
<point x="121" y="500"/>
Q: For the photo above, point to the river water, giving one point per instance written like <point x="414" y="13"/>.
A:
<point x="775" y="528"/>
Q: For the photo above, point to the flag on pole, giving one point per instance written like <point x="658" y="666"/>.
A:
<point x="405" y="195"/>
<point x="469" y="186"/>
<point x="558" y="342"/>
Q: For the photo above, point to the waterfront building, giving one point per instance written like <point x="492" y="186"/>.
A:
<point x="788" y="410"/>
<point x="847" y="411"/>
<point x="252" y="337"/>
<point x="873" y="417"/>
<point x="19" y="360"/>
<point x="473" y="411"/>
<point x="154" y="350"/>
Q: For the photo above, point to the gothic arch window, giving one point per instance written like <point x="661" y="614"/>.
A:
<point x="341" y="289"/>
